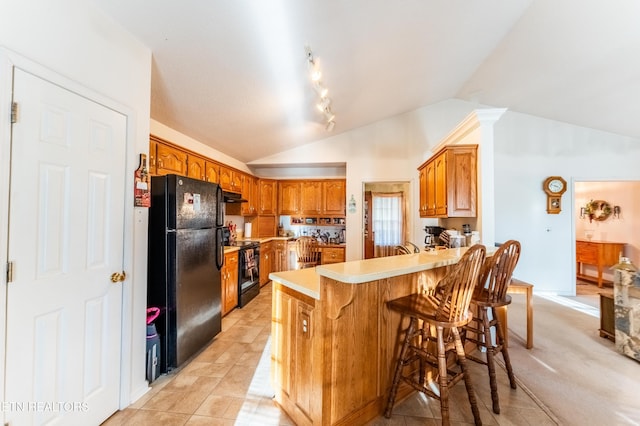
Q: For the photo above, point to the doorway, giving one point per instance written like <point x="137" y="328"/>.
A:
<point x="606" y="212"/>
<point x="386" y="218"/>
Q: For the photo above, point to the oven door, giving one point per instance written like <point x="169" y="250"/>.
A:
<point x="248" y="274"/>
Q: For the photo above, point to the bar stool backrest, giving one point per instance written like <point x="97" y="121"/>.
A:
<point x="454" y="291"/>
<point x="497" y="273"/>
<point x="307" y="251"/>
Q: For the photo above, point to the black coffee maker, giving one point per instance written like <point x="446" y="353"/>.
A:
<point x="432" y="236"/>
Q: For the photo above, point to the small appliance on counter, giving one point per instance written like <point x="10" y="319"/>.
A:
<point x="432" y="237"/>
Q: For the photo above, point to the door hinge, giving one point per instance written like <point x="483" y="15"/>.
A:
<point x="14" y="112"/>
<point x="9" y="272"/>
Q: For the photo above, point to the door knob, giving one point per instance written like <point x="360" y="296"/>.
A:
<point x="118" y="277"/>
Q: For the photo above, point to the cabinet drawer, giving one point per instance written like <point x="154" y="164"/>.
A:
<point x="332" y="255"/>
<point x="586" y="252"/>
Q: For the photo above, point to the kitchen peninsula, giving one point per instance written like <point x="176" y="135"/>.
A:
<point x="334" y="342"/>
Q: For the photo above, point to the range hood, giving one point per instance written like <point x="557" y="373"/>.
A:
<point x="232" y="197"/>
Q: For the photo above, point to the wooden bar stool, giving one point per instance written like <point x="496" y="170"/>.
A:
<point x="433" y="334"/>
<point x="491" y="294"/>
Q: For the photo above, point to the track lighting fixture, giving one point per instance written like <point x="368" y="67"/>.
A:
<point x="324" y="103"/>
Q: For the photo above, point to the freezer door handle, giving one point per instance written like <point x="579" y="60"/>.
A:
<point x="219" y="248"/>
<point x="219" y="207"/>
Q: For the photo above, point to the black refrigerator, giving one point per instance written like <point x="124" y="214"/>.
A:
<point x="186" y="253"/>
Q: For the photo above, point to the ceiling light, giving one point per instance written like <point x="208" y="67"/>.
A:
<point x="329" y="115"/>
<point x="324" y="104"/>
<point x="320" y="89"/>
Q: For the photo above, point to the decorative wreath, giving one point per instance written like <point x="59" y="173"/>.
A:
<point x="597" y="210"/>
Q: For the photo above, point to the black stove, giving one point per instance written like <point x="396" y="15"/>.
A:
<point x="248" y="268"/>
<point x="244" y="243"/>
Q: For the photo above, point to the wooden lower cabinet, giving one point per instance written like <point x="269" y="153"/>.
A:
<point x="333" y="357"/>
<point x="296" y="321"/>
<point x="266" y="262"/>
<point x="280" y="256"/>
<point x="229" y="282"/>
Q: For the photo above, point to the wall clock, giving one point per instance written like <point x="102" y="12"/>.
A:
<point x="554" y="187"/>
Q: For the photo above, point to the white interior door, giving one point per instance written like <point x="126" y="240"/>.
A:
<point x="65" y="241"/>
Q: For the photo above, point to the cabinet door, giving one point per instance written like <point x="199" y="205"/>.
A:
<point x="440" y="185"/>
<point x="422" y="180"/>
<point x="229" y="277"/>
<point x="331" y="255"/>
<point x="289" y="197"/>
<point x="267" y="196"/>
<point x="230" y="180"/>
<point x="461" y="181"/>
<point x="212" y="172"/>
<point x="153" y="148"/>
<point x="195" y="167"/>
<point x="334" y="197"/>
<point x="279" y="256"/>
<point x="266" y="259"/>
<point x="310" y="197"/>
<point x="430" y="189"/>
<point x="248" y="209"/>
<point x="266" y="226"/>
<point x="170" y="160"/>
<point x="255" y="195"/>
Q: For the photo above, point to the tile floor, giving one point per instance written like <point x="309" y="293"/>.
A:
<point x="228" y="384"/>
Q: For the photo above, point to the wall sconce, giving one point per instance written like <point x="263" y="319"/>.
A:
<point x="616" y="212"/>
<point x="324" y="104"/>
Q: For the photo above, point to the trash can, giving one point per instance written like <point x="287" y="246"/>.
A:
<point x="153" y="345"/>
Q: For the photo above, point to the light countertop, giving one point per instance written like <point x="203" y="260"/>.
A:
<point x="307" y="281"/>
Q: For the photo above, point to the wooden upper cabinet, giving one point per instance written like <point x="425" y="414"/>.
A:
<point x="230" y="179"/>
<point x="440" y="189"/>
<point x="289" y="197"/>
<point x="170" y="160"/>
<point x="311" y="197"/>
<point x="422" y="180"/>
<point x="212" y="172"/>
<point x="249" y="193"/>
<point x="461" y="170"/>
<point x="334" y="194"/>
<point x="153" y="148"/>
<point x="448" y="185"/>
<point x="430" y="189"/>
<point x="267" y="196"/>
<point x="255" y="195"/>
<point x="196" y="167"/>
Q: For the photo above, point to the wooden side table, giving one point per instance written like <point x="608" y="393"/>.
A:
<point x="519" y="287"/>
<point x="598" y="253"/>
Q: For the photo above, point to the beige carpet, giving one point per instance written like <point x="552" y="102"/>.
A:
<point x="573" y="371"/>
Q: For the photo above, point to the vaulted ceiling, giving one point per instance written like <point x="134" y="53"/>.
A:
<point x="233" y="74"/>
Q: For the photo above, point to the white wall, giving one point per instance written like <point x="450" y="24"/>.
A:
<point x="527" y="150"/>
<point x="79" y="43"/>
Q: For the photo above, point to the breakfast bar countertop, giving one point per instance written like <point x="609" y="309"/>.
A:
<point x="307" y="281"/>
